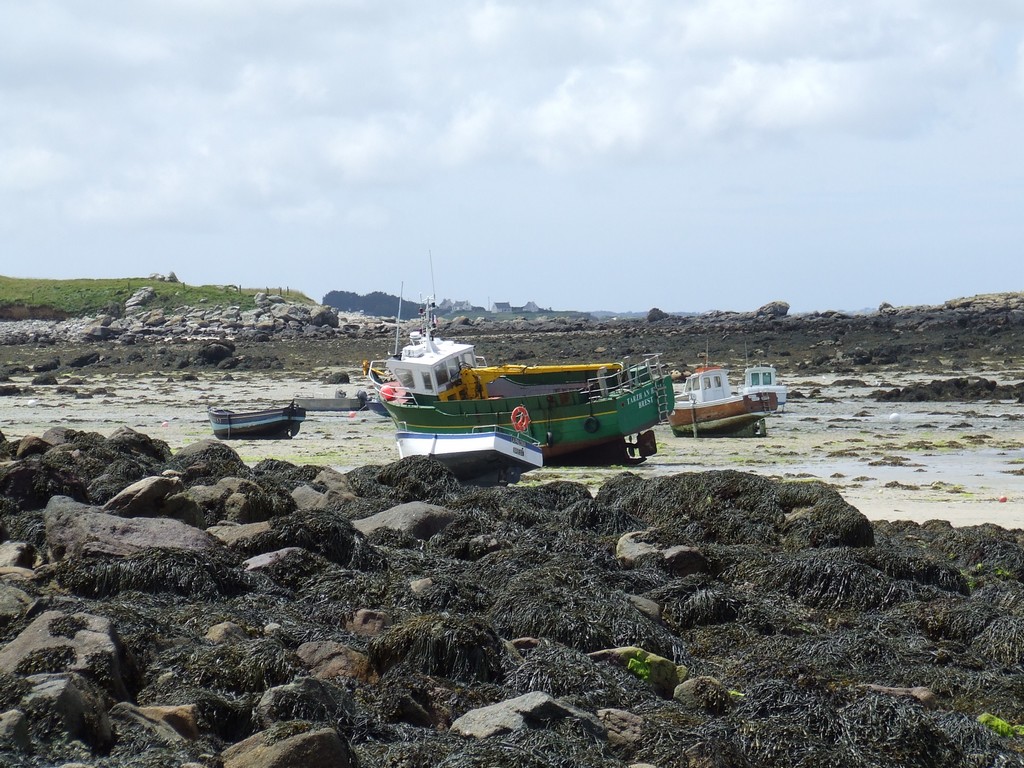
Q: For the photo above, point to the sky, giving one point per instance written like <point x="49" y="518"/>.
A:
<point x="688" y="155"/>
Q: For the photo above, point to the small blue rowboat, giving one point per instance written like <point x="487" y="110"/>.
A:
<point x="248" y="425"/>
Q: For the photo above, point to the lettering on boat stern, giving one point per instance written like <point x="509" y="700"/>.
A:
<point x="518" y="451"/>
<point x="642" y="398"/>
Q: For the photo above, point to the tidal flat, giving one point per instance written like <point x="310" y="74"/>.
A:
<point x="961" y="462"/>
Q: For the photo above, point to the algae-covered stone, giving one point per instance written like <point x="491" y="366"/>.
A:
<point x="703" y="693"/>
<point x="662" y="674"/>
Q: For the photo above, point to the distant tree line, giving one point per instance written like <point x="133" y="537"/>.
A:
<point x="376" y="304"/>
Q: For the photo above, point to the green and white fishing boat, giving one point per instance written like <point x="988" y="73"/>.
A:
<point x="579" y="414"/>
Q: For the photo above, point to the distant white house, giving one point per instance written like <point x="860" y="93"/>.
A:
<point x="504" y="306"/>
<point x="447" y="305"/>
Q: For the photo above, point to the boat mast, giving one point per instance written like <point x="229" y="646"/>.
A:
<point x="398" y="320"/>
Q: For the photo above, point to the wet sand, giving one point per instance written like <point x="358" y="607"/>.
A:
<point x="915" y="461"/>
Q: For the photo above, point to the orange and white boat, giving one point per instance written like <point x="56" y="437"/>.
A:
<point x="707" y="407"/>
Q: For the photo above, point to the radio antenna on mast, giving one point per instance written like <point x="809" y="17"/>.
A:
<point x="433" y="290"/>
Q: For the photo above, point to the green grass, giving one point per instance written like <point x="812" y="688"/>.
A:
<point x="31" y="298"/>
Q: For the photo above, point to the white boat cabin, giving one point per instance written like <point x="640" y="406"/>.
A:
<point x="429" y="366"/>
<point x="764" y="378"/>
<point x="707" y="384"/>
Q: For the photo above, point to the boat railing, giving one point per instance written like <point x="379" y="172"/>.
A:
<point x="633" y="376"/>
<point x="629" y="377"/>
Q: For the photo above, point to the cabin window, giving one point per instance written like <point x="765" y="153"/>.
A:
<point x="707" y="382"/>
<point x="441" y="374"/>
<point x="718" y="382"/>
<point x="404" y="376"/>
<point x="428" y="384"/>
<point x="755" y="379"/>
<point x="467" y="359"/>
<point x="767" y="378"/>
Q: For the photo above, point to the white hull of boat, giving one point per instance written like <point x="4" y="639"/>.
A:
<point x="486" y="456"/>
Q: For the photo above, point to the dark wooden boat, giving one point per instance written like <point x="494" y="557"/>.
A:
<point x="248" y="425"/>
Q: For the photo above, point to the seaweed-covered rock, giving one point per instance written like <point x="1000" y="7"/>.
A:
<point x="720" y="506"/>
<point x="572" y="608"/>
<point x="57" y="642"/>
<point x="579" y="678"/>
<point x="323" y="532"/>
<point x="30" y="484"/>
<point x="159" y="496"/>
<point x="201" y="575"/>
<point x="415" y="478"/>
<point x="206" y="462"/>
<point x="238" y="500"/>
<point x="308" y="699"/>
<point x="817" y="516"/>
<point x="67" y="706"/>
<point x="464" y="649"/>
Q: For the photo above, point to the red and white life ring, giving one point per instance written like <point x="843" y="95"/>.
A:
<point x="520" y="418"/>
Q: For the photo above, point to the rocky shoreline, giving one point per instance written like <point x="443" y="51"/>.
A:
<point x="980" y="331"/>
<point x="184" y="608"/>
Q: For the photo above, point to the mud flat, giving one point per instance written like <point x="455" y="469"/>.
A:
<point x="961" y="462"/>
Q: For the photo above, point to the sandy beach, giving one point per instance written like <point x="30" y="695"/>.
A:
<point x="961" y="462"/>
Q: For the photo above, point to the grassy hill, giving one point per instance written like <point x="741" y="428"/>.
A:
<point x="23" y="298"/>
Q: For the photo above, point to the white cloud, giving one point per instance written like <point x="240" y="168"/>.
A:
<point x="372" y="149"/>
<point x="313" y="211"/>
<point x="778" y="98"/>
<point x="1018" y="73"/>
<point x="593" y="112"/>
<point x="28" y="168"/>
<point x="492" y="24"/>
<point x="368" y="217"/>
<point x="469" y="134"/>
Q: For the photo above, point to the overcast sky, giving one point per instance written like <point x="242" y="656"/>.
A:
<point x="714" y="154"/>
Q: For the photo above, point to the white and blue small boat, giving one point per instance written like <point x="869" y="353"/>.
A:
<point x="248" y="425"/>
<point x="759" y="379"/>
<point x="485" y="456"/>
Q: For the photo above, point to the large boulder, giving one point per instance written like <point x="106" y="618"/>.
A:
<point x="320" y="748"/>
<point x="78" y="530"/>
<point x="531" y="710"/>
<point x="30" y="483"/>
<point x="68" y="706"/>
<point x="239" y="500"/>
<point x="158" y="496"/>
<point x="58" y="642"/>
<point x="416" y="518"/>
<point x="774" y="309"/>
